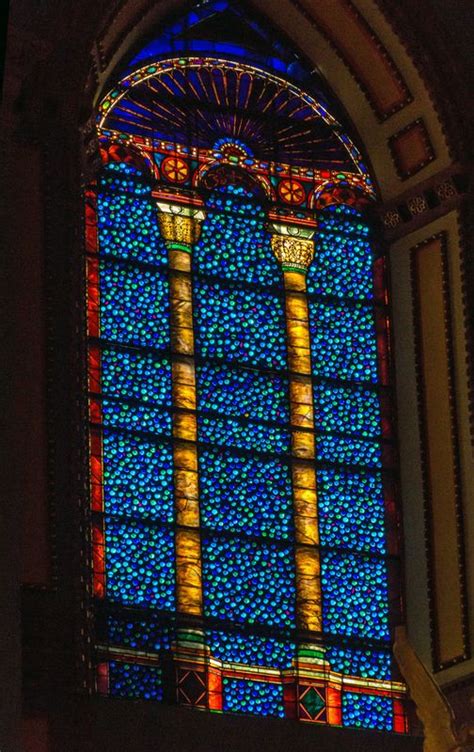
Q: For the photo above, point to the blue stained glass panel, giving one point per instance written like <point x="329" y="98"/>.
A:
<point x="251" y="649"/>
<point x="345" y="409"/>
<point x="139" y="560"/>
<point x="138" y="477"/>
<point x="343" y="343"/>
<point x="348" y="451"/>
<point x="154" y="420"/>
<point x="367" y="711"/>
<point x="254" y="697"/>
<point x="119" y="176"/>
<point x="243" y="393"/>
<point x="343" y="258"/>
<point x="240" y="583"/>
<point x="128" y="224"/>
<point x="239" y="325"/>
<point x="245" y="494"/>
<point x="231" y="433"/>
<point x="139" y="634"/>
<point x="351" y="510"/>
<point x="371" y="663"/>
<point x="234" y="243"/>
<point x="135" y="681"/>
<point x="355" y="601"/>
<point x="134" y="305"/>
<point x="128" y="374"/>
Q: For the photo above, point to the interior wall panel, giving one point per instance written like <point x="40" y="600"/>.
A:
<point x="444" y="517"/>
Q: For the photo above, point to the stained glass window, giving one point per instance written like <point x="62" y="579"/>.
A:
<point x="244" y="525"/>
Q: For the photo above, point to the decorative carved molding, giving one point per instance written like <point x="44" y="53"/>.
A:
<point x="424" y="203"/>
<point x="466" y="230"/>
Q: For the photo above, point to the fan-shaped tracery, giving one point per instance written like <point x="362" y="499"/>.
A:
<point x="190" y="100"/>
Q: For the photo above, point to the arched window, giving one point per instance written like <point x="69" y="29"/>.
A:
<point x="244" y="525"/>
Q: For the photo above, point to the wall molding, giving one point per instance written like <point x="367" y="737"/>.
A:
<point x="438" y="662"/>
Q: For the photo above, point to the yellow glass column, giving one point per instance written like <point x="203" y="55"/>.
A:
<point x="180" y="218"/>
<point x="293" y="246"/>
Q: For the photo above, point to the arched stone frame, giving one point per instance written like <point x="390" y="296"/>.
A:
<point x="59" y="149"/>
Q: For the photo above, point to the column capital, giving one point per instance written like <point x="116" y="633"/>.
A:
<point x="292" y="245"/>
<point x="292" y="234"/>
<point x="180" y="216"/>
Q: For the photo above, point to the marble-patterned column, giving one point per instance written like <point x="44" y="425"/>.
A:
<point x="180" y="217"/>
<point x="293" y="247"/>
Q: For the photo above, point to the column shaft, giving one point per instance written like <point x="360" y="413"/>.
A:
<point x="293" y="247"/>
<point x="308" y="584"/>
<point x="180" y="232"/>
